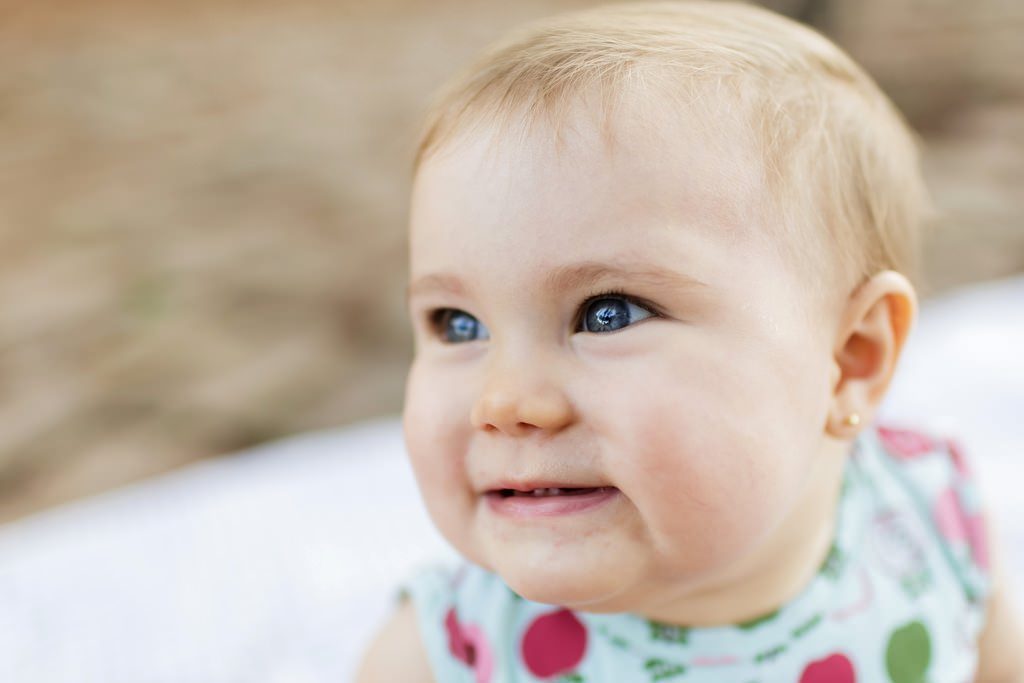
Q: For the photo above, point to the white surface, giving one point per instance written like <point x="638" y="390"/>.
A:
<point x="272" y="565"/>
<point x="276" y="564"/>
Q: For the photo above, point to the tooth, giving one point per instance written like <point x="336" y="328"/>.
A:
<point x="536" y="493"/>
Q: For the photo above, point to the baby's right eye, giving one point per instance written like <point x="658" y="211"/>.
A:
<point x="455" y="326"/>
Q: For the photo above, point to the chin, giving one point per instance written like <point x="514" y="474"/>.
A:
<point x="573" y="586"/>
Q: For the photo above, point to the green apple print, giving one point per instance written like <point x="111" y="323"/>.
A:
<point x="660" y="670"/>
<point x="908" y="654"/>
<point x="667" y="633"/>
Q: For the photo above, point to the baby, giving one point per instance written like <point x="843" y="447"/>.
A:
<point x="661" y="266"/>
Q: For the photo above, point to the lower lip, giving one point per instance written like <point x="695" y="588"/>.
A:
<point x="550" y="506"/>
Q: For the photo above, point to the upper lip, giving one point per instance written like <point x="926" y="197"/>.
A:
<point x="532" y="484"/>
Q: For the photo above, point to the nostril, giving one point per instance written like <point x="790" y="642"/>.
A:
<point x="521" y="412"/>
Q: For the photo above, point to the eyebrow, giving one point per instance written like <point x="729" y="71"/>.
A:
<point x="570" y="277"/>
<point x="580" y="275"/>
<point x="435" y="282"/>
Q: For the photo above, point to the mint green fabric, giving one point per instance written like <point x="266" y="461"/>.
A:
<point x="899" y="598"/>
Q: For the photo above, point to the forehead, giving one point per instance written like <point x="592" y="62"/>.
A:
<point x="644" y="179"/>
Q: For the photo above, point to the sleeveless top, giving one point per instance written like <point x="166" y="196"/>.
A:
<point x="900" y="597"/>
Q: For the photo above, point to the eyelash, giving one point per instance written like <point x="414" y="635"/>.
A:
<point x="436" y="317"/>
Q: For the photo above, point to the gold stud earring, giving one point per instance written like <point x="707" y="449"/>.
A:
<point x="852" y="420"/>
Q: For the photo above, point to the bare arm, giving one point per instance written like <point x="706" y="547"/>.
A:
<point x="397" y="653"/>
<point x="1001" y="645"/>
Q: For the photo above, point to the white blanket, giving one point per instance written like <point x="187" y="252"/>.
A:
<point x="277" y="564"/>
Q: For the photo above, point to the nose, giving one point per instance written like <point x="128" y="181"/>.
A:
<point x="518" y="402"/>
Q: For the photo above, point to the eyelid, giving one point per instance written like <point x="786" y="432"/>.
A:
<point x="619" y="294"/>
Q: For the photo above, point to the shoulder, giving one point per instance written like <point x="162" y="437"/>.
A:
<point x="1000" y="659"/>
<point x="425" y="639"/>
<point x="397" y="652"/>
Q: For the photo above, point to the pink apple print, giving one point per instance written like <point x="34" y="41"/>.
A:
<point x="956" y="525"/>
<point x="554" y="643"/>
<point x="835" y="668"/>
<point x="978" y="540"/>
<point x="468" y="644"/>
<point x="949" y="516"/>
<point x="904" y="443"/>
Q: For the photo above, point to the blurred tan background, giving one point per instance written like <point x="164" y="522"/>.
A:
<point x="202" y="207"/>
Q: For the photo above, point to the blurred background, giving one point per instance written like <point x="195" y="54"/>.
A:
<point x="203" y="204"/>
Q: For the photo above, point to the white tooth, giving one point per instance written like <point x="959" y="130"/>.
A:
<point x="543" y="492"/>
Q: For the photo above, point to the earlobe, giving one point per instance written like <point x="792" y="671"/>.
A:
<point x="874" y="327"/>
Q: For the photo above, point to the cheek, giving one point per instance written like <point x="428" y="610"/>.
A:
<point x="709" y="499"/>
<point x="702" y="463"/>
<point x="435" y="441"/>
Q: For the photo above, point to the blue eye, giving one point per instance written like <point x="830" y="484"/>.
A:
<point x="457" y="326"/>
<point x="610" y="313"/>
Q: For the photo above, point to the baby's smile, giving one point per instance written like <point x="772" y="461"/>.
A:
<point x="548" y="501"/>
<point x="551" y="491"/>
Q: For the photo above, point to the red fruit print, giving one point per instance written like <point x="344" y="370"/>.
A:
<point x="467" y="644"/>
<point x="904" y="443"/>
<point x="835" y="668"/>
<point x="554" y="644"/>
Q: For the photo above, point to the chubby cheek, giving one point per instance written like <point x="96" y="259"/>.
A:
<point x="436" y="440"/>
<point x="704" y="500"/>
<point x="699" y="464"/>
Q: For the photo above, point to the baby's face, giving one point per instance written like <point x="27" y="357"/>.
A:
<point x="607" y="322"/>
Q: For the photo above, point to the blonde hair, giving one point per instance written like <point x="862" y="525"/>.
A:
<point x="841" y="165"/>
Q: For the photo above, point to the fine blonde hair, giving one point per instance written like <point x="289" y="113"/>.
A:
<point x="841" y="165"/>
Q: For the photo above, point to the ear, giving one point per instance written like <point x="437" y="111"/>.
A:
<point x="873" y="328"/>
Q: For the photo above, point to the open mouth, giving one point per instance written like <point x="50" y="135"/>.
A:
<point x="549" y="501"/>
<point x="539" y="493"/>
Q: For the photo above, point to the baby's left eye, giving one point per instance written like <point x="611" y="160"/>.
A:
<point x="608" y="313"/>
